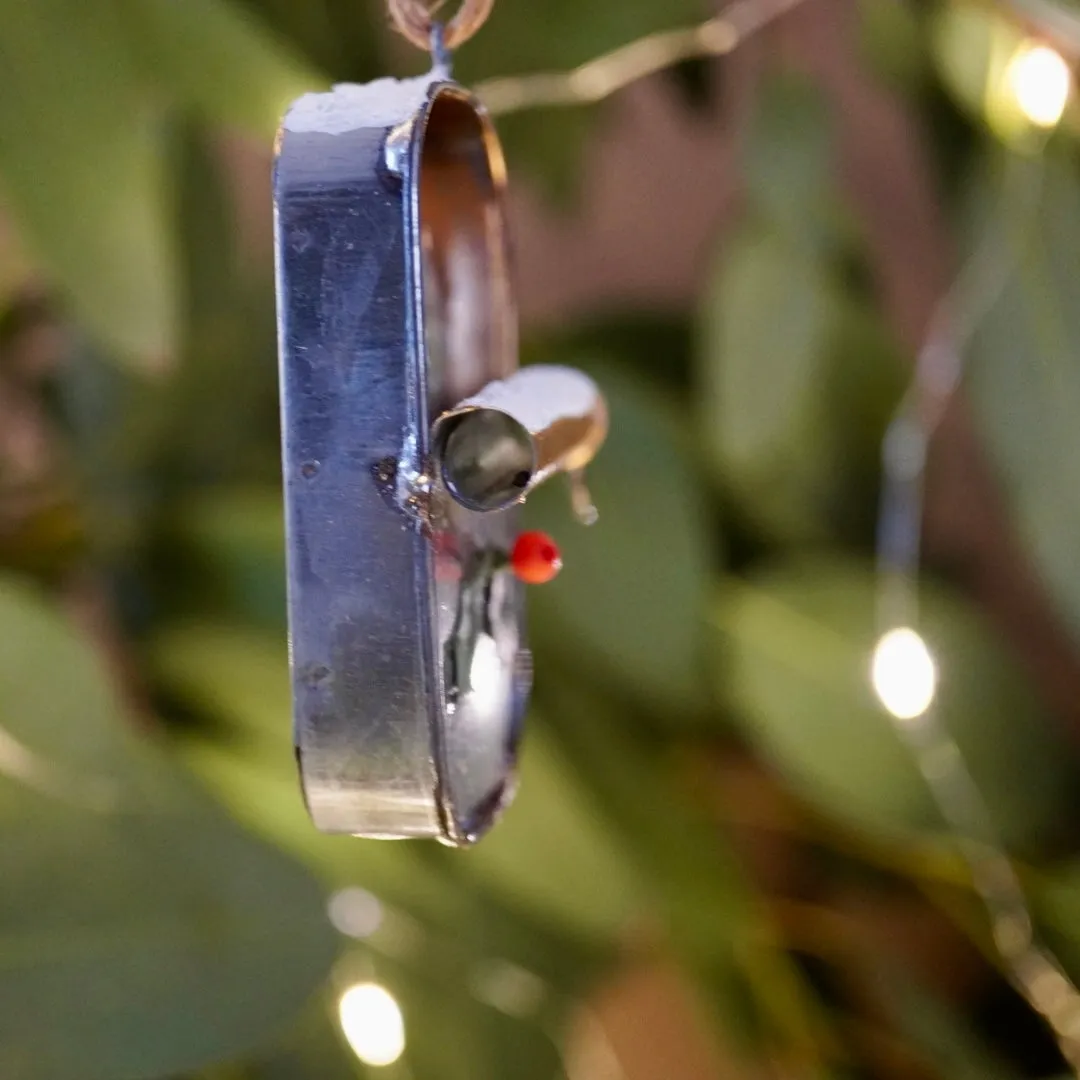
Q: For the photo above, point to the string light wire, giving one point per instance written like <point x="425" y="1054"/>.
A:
<point x="938" y="369"/>
<point x="604" y="75"/>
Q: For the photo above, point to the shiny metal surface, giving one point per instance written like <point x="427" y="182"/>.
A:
<point x="494" y="447"/>
<point x="408" y="668"/>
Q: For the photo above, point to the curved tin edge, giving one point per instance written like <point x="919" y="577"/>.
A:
<point x="336" y="746"/>
<point x="403" y="157"/>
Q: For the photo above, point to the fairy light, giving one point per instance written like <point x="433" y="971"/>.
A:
<point x="1039" y="81"/>
<point x="372" y="1023"/>
<point x="903" y="673"/>
<point x="355" y="912"/>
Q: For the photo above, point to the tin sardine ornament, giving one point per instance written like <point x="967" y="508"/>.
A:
<point x="410" y="440"/>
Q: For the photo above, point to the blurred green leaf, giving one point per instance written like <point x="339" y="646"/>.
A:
<point x="312" y="1048"/>
<point x="340" y="37"/>
<point x="748" y="985"/>
<point x="796" y="643"/>
<point x="453" y="1035"/>
<point x="772" y="389"/>
<point x="893" y="42"/>
<point x="762" y="402"/>
<point x="435" y="911"/>
<point x="229" y="343"/>
<point x="239" y="678"/>
<point x="213" y="56"/>
<point x="788" y="346"/>
<point x="82" y="170"/>
<point x="627" y="607"/>
<point x="141" y="932"/>
<point x="510" y="44"/>
<point x="551" y="839"/>
<point x="233" y="542"/>
<point x="791" y="136"/>
<point x="1023" y="380"/>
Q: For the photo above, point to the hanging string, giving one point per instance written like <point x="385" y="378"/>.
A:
<point x="414" y="21"/>
<point x="938" y="370"/>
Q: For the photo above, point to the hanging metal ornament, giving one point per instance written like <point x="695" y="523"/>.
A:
<point x="409" y="443"/>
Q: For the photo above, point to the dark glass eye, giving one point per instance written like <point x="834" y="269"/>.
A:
<point x="487" y="459"/>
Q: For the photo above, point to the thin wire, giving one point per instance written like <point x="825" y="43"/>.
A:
<point x="604" y="75"/>
<point x="938" y="370"/>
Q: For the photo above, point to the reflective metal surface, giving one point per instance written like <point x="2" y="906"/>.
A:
<point x="409" y="673"/>
<point x="493" y="448"/>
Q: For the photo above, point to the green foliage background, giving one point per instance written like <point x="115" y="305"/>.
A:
<point x="163" y="897"/>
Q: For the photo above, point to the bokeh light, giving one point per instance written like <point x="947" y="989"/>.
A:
<point x="1039" y="81"/>
<point x="903" y="673"/>
<point x="355" y="912"/>
<point x="372" y="1023"/>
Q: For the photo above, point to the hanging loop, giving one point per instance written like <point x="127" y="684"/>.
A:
<point x="440" y="53"/>
<point x="413" y="19"/>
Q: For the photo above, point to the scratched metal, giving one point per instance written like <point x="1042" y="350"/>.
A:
<point x="394" y="304"/>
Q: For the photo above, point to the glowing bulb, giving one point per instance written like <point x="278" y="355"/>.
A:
<point x="372" y="1023"/>
<point x="1039" y="80"/>
<point x="903" y="673"/>
<point x="354" y="911"/>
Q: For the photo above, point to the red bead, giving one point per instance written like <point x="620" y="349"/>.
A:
<point x="535" y="558"/>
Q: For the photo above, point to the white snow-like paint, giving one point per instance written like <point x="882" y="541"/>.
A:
<point x="349" y="106"/>
<point x="538" y="396"/>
